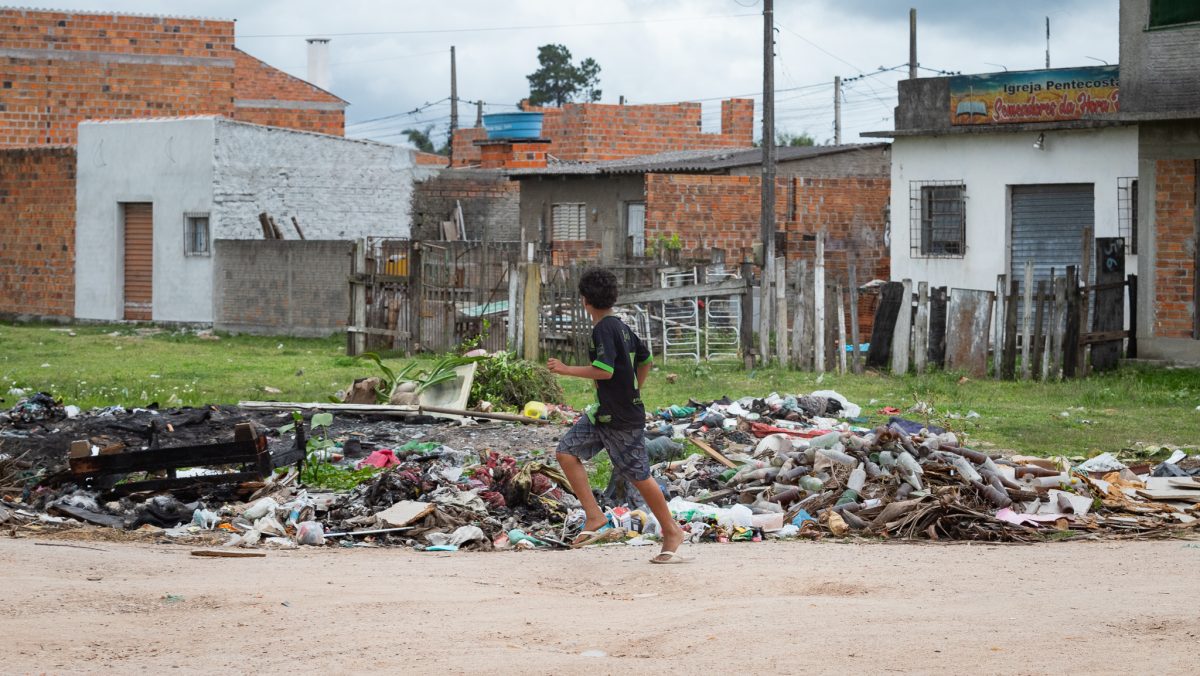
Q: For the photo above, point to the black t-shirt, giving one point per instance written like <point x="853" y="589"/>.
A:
<point x="617" y="349"/>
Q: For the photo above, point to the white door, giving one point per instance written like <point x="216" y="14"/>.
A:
<point x="635" y="219"/>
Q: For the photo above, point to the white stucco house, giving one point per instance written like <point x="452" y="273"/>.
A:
<point x="153" y="195"/>
<point x="990" y="171"/>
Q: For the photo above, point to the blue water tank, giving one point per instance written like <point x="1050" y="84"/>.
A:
<point x="513" y="125"/>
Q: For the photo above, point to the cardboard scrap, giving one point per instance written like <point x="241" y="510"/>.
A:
<point x="403" y="513"/>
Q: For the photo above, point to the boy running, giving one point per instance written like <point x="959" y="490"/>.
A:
<point x="619" y="366"/>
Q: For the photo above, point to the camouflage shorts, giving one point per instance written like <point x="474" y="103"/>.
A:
<point x="626" y="447"/>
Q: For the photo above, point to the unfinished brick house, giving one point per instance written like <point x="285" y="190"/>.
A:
<point x="61" y="68"/>
<point x="480" y="169"/>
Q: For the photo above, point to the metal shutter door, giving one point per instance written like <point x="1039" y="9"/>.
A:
<point x="139" y="260"/>
<point x="1047" y="227"/>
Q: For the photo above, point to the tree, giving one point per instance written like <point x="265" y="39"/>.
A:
<point x="785" y="138"/>
<point x="422" y="139"/>
<point x="558" y="81"/>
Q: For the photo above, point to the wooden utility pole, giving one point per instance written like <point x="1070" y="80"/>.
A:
<point x="453" y="103"/>
<point x="837" y="110"/>
<point x="1047" y="43"/>
<point x="478" y="114"/>
<point x="912" y="43"/>
<point x="767" y="188"/>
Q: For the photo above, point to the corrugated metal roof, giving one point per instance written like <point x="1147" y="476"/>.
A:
<point x="689" y="161"/>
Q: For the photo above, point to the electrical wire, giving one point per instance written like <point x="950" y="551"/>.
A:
<point x="481" y="29"/>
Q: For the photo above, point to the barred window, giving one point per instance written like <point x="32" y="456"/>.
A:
<point x="196" y="235"/>
<point x="938" y="219"/>
<point x="1127" y="211"/>
<point x="570" y="221"/>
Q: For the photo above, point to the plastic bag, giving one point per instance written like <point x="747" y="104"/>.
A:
<point x="310" y="533"/>
<point x="205" y="519"/>
<point x="260" y="509"/>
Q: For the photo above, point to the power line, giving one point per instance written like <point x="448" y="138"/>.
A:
<point x="500" y="28"/>
<point x="395" y="115"/>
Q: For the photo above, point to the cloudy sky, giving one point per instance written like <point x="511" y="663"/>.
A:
<point x="391" y="58"/>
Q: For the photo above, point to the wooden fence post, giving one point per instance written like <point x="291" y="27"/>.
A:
<point x="819" y="306"/>
<point x="1027" y="318"/>
<point x="532" y="310"/>
<point x="841" y="310"/>
<point x="781" y="314"/>
<point x="1131" y="350"/>
<point x="746" y="328"/>
<point x="902" y="337"/>
<point x="1070" y="362"/>
<point x="921" y="330"/>
<point x="798" y="361"/>
<point x="998" y="328"/>
<point x="855" y="338"/>
<point x="1008" y="365"/>
<point x="358" y="299"/>
<point x="515" y="302"/>
<point x="1037" y="346"/>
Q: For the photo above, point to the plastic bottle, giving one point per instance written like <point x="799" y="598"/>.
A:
<point x="858" y="478"/>
<point x="825" y="440"/>
<point x="811" y="483"/>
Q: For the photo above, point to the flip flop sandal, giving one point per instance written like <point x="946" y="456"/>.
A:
<point x="604" y="533"/>
<point x="671" y="557"/>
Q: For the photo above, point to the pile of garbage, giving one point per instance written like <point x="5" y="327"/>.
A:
<point x="780" y="466"/>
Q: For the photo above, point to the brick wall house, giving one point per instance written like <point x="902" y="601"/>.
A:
<point x="594" y="132"/>
<point x="62" y="68"/>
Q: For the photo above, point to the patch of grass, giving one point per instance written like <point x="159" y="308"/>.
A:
<point x="115" y="365"/>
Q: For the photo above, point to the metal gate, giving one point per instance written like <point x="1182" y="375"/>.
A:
<point x="138" y="220"/>
<point x="1048" y="222"/>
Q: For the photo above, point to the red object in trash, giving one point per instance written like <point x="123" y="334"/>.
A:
<point x="761" y="430"/>
<point x="889" y="410"/>
<point x="381" y="458"/>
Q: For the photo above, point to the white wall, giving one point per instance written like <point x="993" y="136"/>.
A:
<point x="167" y="162"/>
<point x="336" y="188"/>
<point x="988" y="164"/>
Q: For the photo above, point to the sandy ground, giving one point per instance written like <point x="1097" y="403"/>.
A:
<point x="1092" y="607"/>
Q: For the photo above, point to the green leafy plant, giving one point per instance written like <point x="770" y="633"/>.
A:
<point x="509" y="382"/>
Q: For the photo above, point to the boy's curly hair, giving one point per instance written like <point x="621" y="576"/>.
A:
<point x="599" y="288"/>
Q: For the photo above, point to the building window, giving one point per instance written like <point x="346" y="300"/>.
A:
<point x="1165" y="13"/>
<point x="938" y="224"/>
<point x="1127" y="211"/>
<point x="196" y="240"/>
<point x="570" y="221"/>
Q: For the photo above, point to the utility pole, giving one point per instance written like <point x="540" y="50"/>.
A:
<point x="453" y="103"/>
<point x="912" y="43"/>
<point x="479" y="113"/>
<point x="837" y="110"/>
<point x="1047" y="43"/>
<point x="767" y="187"/>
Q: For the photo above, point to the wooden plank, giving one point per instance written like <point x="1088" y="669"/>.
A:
<point x="819" y="306"/>
<point x="532" y="312"/>
<point x="808" y="313"/>
<point x="1008" y="362"/>
<point x="781" y="315"/>
<point x="725" y="287"/>
<point x="938" y="302"/>
<point x="921" y="329"/>
<point x="968" y="326"/>
<point x="855" y="336"/>
<point x="1109" y="315"/>
<point x="1054" y="350"/>
<point x="879" y="354"/>
<point x="841" y="316"/>
<point x="746" y="311"/>
<point x="357" y="342"/>
<point x="1039" y="333"/>
<point x="1161" y="495"/>
<point x="1131" y="347"/>
<point x="1084" y="305"/>
<point x="1094" y="337"/>
<point x="998" y="330"/>
<point x="798" y="316"/>
<point x="902" y="333"/>
<point x="1070" y="339"/>
<point x="1027" y="320"/>
<point x="712" y="452"/>
<point x="765" y="302"/>
<point x="227" y="554"/>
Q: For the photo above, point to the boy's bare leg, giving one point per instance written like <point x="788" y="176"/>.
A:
<point x="672" y="534"/>
<point x="578" y="478"/>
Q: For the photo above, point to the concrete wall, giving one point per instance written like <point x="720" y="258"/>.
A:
<point x="491" y="204"/>
<point x="988" y="164"/>
<point x="273" y="287"/>
<point x="167" y="162"/>
<point x="336" y="188"/>
<point x="605" y="196"/>
<point x="1165" y="247"/>
<point x="1160" y="68"/>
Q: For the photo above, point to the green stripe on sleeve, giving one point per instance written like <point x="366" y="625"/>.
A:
<point x="602" y="366"/>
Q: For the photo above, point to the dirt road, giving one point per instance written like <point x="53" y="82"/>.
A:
<point x="762" y="608"/>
